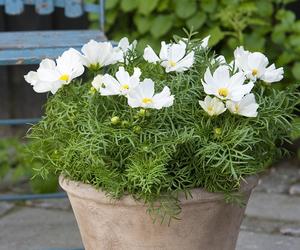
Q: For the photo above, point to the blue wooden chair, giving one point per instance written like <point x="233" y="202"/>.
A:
<point x="30" y="47"/>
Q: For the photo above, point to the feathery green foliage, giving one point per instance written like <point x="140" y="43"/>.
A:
<point x="155" y="154"/>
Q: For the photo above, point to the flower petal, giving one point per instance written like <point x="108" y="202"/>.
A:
<point x="147" y="88"/>
<point x="272" y="74"/>
<point x="176" y="51"/>
<point x="150" y="56"/>
<point x="110" y="86"/>
<point x="163" y="99"/>
<point x="185" y="63"/>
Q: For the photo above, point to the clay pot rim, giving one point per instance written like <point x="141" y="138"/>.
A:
<point x="199" y="195"/>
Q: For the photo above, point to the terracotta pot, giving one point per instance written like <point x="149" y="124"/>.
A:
<point x="207" y="222"/>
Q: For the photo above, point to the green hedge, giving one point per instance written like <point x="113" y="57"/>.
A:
<point x="261" y="25"/>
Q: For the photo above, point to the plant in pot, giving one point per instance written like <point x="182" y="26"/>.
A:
<point x="159" y="151"/>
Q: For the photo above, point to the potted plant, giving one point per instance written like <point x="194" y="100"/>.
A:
<point x="159" y="151"/>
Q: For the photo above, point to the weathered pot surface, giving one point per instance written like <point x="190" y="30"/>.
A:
<point x="206" y="222"/>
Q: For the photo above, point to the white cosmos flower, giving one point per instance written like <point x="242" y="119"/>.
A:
<point x="224" y="86"/>
<point x="272" y="74"/>
<point x="240" y="52"/>
<point x="219" y="60"/>
<point x="97" y="82"/>
<point x="172" y="57"/>
<point x="254" y="65"/>
<point x="245" y="107"/>
<point x="51" y="76"/>
<point x="143" y="96"/>
<point x="204" y="42"/>
<point x="212" y="106"/>
<point x="125" y="46"/>
<point x="121" y="85"/>
<point x="99" y="54"/>
<point x="39" y="81"/>
<point x="69" y="66"/>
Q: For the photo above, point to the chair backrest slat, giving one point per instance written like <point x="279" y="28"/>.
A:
<point x="73" y="8"/>
<point x="44" y="7"/>
<point x="13" y="7"/>
<point x="16" y="7"/>
<point x="45" y="39"/>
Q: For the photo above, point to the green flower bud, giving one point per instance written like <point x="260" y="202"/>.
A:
<point x="142" y="112"/>
<point x="137" y="129"/>
<point x="92" y="91"/>
<point x="125" y="124"/>
<point x="115" y="120"/>
<point x="218" y="131"/>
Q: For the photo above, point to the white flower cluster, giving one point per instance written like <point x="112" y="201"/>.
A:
<point x="52" y="75"/>
<point x="230" y="84"/>
<point x="173" y="57"/>
<point x="139" y="93"/>
<point x="255" y="66"/>
<point x="232" y="91"/>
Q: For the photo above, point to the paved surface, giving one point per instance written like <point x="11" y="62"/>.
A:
<point x="272" y="219"/>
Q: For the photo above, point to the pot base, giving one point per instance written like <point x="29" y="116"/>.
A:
<point x="206" y="222"/>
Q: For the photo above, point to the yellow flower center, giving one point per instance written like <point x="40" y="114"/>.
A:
<point x="254" y="72"/>
<point x="210" y="108"/>
<point x="64" y="77"/>
<point x="125" y="86"/>
<point x="223" y="92"/>
<point x="147" y="100"/>
<point x="172" y="63"/>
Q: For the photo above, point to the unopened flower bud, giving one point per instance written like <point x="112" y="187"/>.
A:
<point x="142" y="112"/>
<point x="92" y="91"/>
<point x="115" y="120"/>
<point x="218" y="131"/>
<point x="125" y="124"/>
<point x="137" y="129"/>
